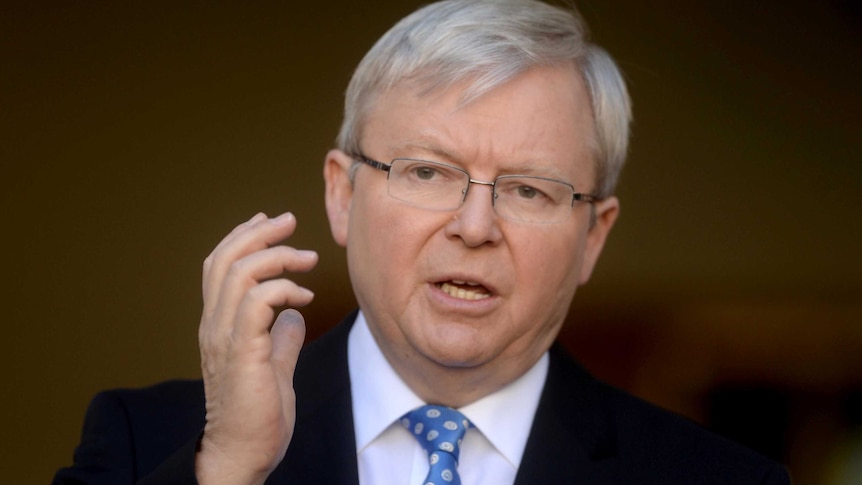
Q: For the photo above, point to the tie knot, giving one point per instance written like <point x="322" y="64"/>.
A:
<point x="437" y="428"/>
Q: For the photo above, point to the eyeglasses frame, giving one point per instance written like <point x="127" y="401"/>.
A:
<point x="576" y="196"/>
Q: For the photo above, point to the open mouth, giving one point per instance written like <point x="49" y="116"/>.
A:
<point x="464" y="290"/>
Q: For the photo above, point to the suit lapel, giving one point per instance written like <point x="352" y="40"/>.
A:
<point x="572" y="431"/>
<point x="571" y="436"/>
<point x="323" y="448"/>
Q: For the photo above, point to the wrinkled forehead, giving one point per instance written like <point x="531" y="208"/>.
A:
<point x="541" y="117"/>
<point x="425" y="91"/>
<point x="469" y="84"/>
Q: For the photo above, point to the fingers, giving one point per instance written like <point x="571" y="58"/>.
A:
<point x="242" y="282"/>
<point x="208" y="262"/>
<point x="244" y="273"/>
<point x="247" y="366"/>
<point x="257" y="233"/>
<point x="255" y="311"/>
<point x="288" y="333"/>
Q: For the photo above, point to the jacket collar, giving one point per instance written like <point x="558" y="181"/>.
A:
<point x="572" y="431"/>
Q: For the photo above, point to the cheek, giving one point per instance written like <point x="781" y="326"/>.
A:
<point x="549" y="268"/>
<point x="384" y="241"/>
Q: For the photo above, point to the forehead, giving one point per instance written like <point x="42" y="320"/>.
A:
<point x="541" y="120"/>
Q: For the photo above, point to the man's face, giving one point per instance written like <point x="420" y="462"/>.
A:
<point x="404" y="261"/>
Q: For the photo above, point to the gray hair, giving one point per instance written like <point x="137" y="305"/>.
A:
<point x="490" y="42"/>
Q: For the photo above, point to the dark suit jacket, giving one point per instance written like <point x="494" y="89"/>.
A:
<point x="584" y="432"/>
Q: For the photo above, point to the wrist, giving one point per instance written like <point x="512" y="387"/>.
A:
<point x="214" y="466"/>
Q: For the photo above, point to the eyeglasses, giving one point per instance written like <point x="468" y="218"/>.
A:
<point x="520" y="198"/>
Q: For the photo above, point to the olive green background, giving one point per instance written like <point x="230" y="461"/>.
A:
<point x="134" y="135"/>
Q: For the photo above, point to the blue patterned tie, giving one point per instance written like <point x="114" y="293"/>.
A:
<point x="439" y="430"/>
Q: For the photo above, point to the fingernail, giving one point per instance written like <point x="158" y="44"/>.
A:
<point x="306" y="253"/>
<point x="283" y="219"/>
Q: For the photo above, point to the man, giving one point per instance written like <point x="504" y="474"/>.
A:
<point x="473" y="191"/>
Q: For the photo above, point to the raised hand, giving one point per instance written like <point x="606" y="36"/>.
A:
<point x="248" y="356"/>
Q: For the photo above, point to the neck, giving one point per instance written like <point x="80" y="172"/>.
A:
<point x="455" y="387"/>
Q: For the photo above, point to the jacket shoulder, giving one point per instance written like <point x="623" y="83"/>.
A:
<point x="656" y="439"/>
<point x="128" y="433"/>
<point x="616" y="437"/>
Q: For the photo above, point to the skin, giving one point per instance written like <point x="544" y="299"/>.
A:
<point x="449" y="350"/>
<point x="248" y="361"/>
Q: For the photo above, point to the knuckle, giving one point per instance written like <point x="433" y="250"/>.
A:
<point x="237" y="269"/>
<point x="256" y="294"/>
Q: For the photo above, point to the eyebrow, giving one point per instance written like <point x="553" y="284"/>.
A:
<point x="432" y="148"/>
<point x="439" y="153"/>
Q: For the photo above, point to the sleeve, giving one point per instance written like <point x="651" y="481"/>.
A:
<point x="107" y="452"/>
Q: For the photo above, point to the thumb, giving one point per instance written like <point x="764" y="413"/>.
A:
<point x="288" y="334"/>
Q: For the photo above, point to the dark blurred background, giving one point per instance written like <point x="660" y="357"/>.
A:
<point x="134" y="135"/>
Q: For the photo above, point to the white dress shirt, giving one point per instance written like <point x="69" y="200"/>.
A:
<point x="388" y="454"/>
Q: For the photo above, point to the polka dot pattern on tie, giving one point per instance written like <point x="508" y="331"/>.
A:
<point x="439" y="430"/>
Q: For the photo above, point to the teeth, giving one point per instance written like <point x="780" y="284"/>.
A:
<point x="462" y="293"/>
<point x="462" y="282"/>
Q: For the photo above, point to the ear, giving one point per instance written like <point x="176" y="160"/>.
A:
<point x="339" y="192"/>
<point x="606" y="213"/>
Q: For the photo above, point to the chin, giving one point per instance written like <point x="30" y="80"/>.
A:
<point x="460" y="354"/>
<point x="457" y="362"/>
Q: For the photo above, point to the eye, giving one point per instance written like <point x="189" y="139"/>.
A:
<point x="529" y="193"/>
<point x="424" y="172"/>
<point x="427" y="172"/>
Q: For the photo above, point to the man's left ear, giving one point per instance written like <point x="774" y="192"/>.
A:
<point x="339" y="192"/>
<point x="605" y="214"/>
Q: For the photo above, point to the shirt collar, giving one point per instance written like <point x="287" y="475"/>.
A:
<point x="380" y="398"/>
<point x="506" y="416"/>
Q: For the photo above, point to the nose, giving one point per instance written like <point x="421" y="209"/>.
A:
<point x="476" y="222"/>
